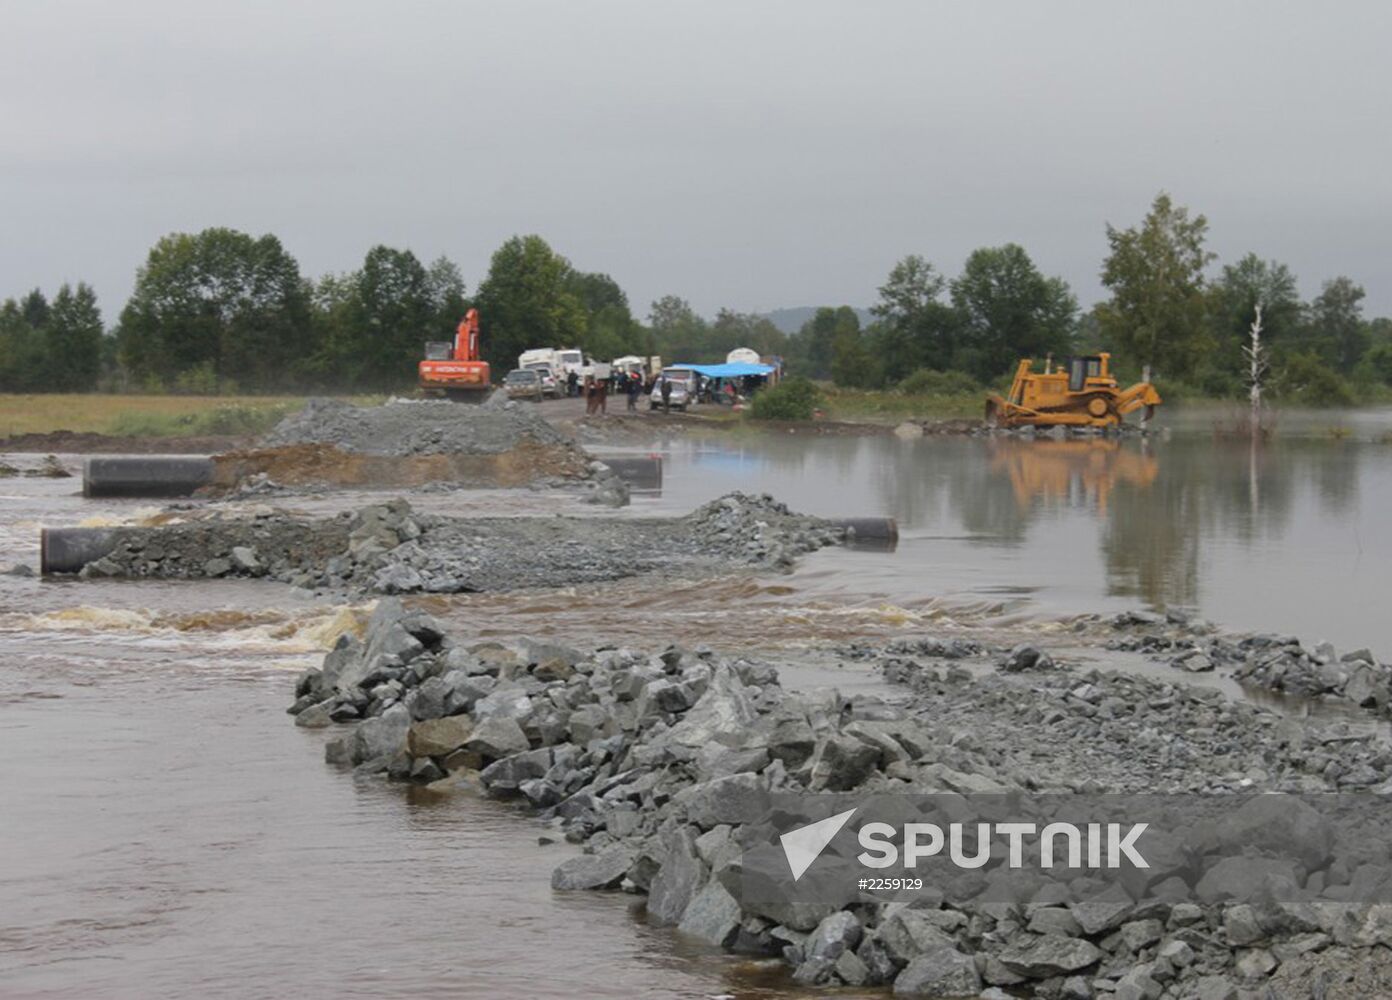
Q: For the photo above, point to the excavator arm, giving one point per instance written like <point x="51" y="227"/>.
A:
<point x="466" y="337"/>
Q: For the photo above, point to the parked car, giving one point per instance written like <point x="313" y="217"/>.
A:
<point x="523" y="383"/>
<point x="683" y="390"/>
<point x="550" y="381"/>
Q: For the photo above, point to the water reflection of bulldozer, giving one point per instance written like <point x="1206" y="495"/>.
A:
<point x="1073" y="472"/>
<point x="1082" y="393"/>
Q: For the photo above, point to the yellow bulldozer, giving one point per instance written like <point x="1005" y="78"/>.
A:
<point x="1079" y="393"/>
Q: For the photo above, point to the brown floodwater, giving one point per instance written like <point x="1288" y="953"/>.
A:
<point x="168" y="831"/>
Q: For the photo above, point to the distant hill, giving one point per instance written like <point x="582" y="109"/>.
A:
<point x="791" y="320"/>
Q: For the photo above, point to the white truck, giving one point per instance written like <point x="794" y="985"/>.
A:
<point x="563" y="360"/>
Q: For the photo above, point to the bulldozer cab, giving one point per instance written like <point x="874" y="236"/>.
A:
<point x="1081" y="369"/>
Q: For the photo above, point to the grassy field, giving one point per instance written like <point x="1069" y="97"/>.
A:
<point x="154" y="416"/>
<point x="890" y="405"/>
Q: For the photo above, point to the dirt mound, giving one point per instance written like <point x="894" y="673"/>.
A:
<point x="406" y="443"/>
<point x="324" y="464"/>
<point x="415" y="427"/>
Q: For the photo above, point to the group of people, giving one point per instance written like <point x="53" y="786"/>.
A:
<point x="596" y="390"/>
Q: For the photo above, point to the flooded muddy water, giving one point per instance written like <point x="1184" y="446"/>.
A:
<point x="168" y="832"/>
<point x="1292" y="536"/>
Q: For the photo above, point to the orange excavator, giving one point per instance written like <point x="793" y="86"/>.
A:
<point x="1081" y="393"/>
<point x="454" y="369"/>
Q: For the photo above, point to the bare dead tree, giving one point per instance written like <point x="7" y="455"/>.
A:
<point x="1256" y="370"/>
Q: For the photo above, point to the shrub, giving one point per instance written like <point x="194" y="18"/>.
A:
<point x="927" y="382"/>
<point x="1306" y="380"/>
<point x="791" y="399"/>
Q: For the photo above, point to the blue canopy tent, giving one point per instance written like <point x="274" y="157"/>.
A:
<point x="735" y="369"/>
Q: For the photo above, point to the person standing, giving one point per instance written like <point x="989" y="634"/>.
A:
<point x="635" y="386"/>
<point x="666" y="392"/>
<point x="572" y="383"/>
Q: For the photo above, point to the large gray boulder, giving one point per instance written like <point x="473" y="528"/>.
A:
<point x="383" y="736"/>
<point x="1241" y="877"/>
<point x="906" y="934"/>
<point x="507" y="774"/>
<point x="713" y="916"/>
<point x="678" y="880"/>
<point x="592" y="871"/>
<point x="940" y="973"/>
<point x="724" y="714"/>
<point x="504" y="703"/>
<point x="438" y="737"/>
<point x="734" y="799"/>
<point x="1051" y="955"/>
<point x="497" y="738"/>
<point x="840" y="763"/>
<point x="838" y="933"/>
<point x="1284" y="825"/>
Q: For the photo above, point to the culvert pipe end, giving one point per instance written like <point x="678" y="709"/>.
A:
<point x="145" y="475"/>
<point x="67" y="550"/>
<point x="643" y="472"/>
<point x="874" y="532"/>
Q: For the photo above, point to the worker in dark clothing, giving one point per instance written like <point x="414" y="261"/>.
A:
<point x="635" y="386"/>
<point x="665" y="388"/>
<point x="572" y="383"/>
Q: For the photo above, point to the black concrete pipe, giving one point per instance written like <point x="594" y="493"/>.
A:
<point x="67" y="550"/>
<point x="871" y="532"/>
<point x="145" y="475"/>
<point x="642" y="472"/>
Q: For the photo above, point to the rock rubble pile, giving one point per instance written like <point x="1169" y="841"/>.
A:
<point x="653" y="763"/>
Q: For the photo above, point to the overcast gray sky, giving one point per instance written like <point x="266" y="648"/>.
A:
<point x="743" y="154"/>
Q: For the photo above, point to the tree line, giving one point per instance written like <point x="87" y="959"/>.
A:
<point x="221" y="310"/>
<point x="1164" y="313"/>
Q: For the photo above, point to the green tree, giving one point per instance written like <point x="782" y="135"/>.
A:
<point x="1334" y="327"/>
<point x="444" y="284"/>
<point x="678" y="333"/>
<point x="854" y="363"/>
<point x="23" y="353"/>
<point x="818" y="336"/>
<point x="916" y="329"/>
<point x="1155" y="272"/>
<point x="1009" y="310"/>
<point x="218" y="301"/>
<point x="74" y="340"/>
<point x="528" y="301"/>
<point x="610" y="329"/>
<point x="372" y="324"/>
<point x="1304" y="379"/>
<point x="1378" y="363"/>
<point x="733" y="329"/>
<point x="392" y="317"/>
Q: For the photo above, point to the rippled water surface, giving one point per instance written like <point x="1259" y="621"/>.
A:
<point x="168" y="832"/>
